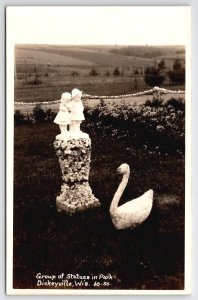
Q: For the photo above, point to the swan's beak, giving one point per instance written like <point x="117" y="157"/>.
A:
<point x="119" y="171"/>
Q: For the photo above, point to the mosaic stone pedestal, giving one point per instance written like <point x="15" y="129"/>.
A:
<point x="74" y="159"/>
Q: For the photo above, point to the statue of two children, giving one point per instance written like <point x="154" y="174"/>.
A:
<point x="70" y="113"/>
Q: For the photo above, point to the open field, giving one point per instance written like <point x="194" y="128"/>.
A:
<point x="84" y="55"/>
<point x="44" y="72"/>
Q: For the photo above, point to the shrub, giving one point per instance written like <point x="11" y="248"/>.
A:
<point x="21" y="119"/>
<point x="74" y="73"/>
<point x="161" y="64"/>
<point x="107" y="73"/>
<point x="152" y="124"/>
<point x="49" y="115"/>
<point x="18" y="117"/>
<point x="93" y="72"/>
<point x="153" y="76"/>
<point x="177" y="76"/>
<point x="38" y="114"/>
<point x="154" y="103"/>
<point x="176" y="103"/>
<point x="116" y="72"/>
<point x="35" y="81"/>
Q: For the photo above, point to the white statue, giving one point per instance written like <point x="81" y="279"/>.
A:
<point x="134" y="212"/>
<point x="63" y="117"/>
<point x="76" y="115"/>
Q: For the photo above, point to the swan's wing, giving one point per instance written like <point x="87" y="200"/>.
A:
<point x="140" y="204"/>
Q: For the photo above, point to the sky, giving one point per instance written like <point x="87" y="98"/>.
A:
<point x="106" y="25"/>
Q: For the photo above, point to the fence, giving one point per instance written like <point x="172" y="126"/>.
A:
<point x="156" y="92"/>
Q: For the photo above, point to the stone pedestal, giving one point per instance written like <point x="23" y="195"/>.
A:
<point x="74" y="159"/>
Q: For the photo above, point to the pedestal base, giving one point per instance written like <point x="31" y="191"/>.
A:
<point x="74" y="158"/>
<point x="75" y="198"/>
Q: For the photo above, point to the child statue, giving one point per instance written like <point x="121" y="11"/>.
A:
<point x="63" y="117"/>
<point x="76" y="115"/>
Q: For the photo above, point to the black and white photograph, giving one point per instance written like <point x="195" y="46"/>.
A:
<point x="98" y="150"/>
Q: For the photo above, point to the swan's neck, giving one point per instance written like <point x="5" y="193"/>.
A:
<point x="119" y="192"/>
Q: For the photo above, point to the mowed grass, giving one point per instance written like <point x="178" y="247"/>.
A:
<point x="150" y="257"/>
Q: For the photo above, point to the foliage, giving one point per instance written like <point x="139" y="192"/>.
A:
<point x="153" y="76"/>
<point x="152" y="124"/>
<point x="35" y="81"/>
<point x="93" y="72"/>
<point x="75" y="73"/>
<point x="154" y="103"/>
<point x="20" y="118"/>
<point x="177" y="65"/>
<point x="177" y="75"/>
<point x="161" y="64"/>
<point x="177" y="104"/>
<point x="49" y="115"/>
<point x="144" y="51"/>
<point x="107" y="73"/>
<point x="116" y="72"/>
<point x="38" y="114"/>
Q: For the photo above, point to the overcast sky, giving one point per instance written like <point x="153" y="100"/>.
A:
<point x="99" y="25"/>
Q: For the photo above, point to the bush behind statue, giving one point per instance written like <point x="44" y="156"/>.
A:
<point x="153" y="125"/>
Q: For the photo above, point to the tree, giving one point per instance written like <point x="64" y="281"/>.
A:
<point x="177" y="75"/>
<point x="38" y="114"/>
<point x="153" y="76"/>
<point x="93" y="72"/>
<point x="161" y="64"/>
<point x="116" y="72"/>
<point x="177" y="65"/>
<point x="18" y="117"/>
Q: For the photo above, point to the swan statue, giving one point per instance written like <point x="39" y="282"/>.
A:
<point x="134" y="212"/>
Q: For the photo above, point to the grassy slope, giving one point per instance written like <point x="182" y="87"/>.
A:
<point x="81" y="58"/>
<point x="150" y="257"/>
<point x="104" y="58"/>
<point x="43" y="57"/>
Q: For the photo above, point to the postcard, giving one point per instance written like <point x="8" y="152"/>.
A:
<point x="98" y="140"/>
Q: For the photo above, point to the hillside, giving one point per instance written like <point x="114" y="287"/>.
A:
<point x="43" y="57"/>
<point x="150" y="51"/>
<point x="79" y="55"/>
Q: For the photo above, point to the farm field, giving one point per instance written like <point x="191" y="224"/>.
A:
<point x="43" y="72"/>
<point x="88" y="55"/>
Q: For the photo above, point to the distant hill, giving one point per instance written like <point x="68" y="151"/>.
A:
<point x="150" y="51"/>
<point x="79" y="55"/>
<point x="90" y="56"/>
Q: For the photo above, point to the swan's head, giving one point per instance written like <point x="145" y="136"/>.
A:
<point x="124" y="168"/>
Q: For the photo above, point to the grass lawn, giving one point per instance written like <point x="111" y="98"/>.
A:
<point x="150" y="257"/>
